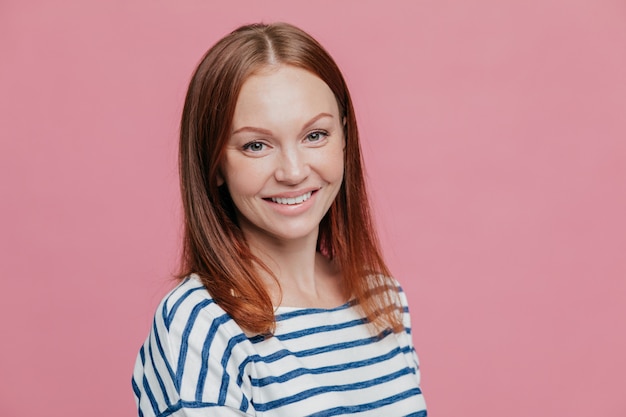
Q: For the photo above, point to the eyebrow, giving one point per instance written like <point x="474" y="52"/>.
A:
<point x="267" y="132"/>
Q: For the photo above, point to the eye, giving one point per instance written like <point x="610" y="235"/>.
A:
<point x="316" y="136"/>
<point x="254" y="146"/>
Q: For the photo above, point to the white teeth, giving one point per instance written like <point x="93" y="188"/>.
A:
<point x="294" y="200"/>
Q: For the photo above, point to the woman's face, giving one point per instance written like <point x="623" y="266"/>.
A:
<point x="283" y="163"/>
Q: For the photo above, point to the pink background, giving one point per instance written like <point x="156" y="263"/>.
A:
<point x="495" y="139"/>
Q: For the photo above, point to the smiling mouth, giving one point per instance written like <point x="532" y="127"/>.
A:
<point x="292" y="201"/>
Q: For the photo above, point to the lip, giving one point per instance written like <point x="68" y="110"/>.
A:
<point x="292" y="194"/>
<point x="293" y="209"/>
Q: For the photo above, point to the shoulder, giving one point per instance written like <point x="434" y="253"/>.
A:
<point x="188" y="315"/>
<point x="402" y="298"/>
<point x="193" y="349"/>
<point x="183" y="302"/>
<point x="390" y="289"/>
<point x="391" y="292"/>
<point x="404" y="306"/>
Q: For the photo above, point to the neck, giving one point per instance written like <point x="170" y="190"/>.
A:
<point x="302" y="276"/>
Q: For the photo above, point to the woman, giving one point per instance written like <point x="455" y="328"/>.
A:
<point x="286" y="307"/>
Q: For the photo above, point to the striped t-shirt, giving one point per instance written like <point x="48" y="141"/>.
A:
<point x="320" y="362"/>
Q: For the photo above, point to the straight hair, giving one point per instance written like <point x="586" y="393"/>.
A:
<point x="214" y="246"/>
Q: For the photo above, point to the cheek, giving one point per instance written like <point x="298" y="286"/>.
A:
<point x="337" y="169"/>
<point x="333" y="166"/>
<point x="242" y="179"/>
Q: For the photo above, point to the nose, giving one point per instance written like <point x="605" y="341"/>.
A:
<point x="293" y="167"/>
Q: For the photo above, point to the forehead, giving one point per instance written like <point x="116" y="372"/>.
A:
<point x="282" y="92"/>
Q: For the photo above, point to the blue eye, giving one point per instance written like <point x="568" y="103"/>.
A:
<point x="254" y="146"/>
<point x="316" y="136"/>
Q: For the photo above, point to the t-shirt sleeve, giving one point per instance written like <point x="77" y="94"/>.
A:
<point x="406" y="321"/>
<point x="190" y="364"/>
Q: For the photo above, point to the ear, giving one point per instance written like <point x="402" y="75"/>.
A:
<point x="220" y="179"/>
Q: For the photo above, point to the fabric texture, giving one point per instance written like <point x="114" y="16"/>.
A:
<point x="320" y="362"/>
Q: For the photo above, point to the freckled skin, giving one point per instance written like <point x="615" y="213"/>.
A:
<point x="287" y="141"/>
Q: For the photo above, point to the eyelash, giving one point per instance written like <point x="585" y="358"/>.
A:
<point x="248" y="146"/>
<point x="322" y="133"/>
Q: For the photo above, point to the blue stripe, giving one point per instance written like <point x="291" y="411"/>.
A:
<point x="153" y="402"/>
<point x="166" y="300"/>
<point x="372" y="406"/>
<point x="312" y="311"/>
<point x="186" y="404"/>
<point x="157" y="340"/>
<point x="261" y="382"/>
<point x="332" y="388"/>
<point x="258" y="338"/>
<point x="422" y="413"/>
<point x="225" y="358"/>
<point x="320" y="329"/>
<point x="171" y="410"/>
<point x="331" y="412"/>
<point x="135" y="388"/>
<point x="323" y="349"/>
<point x="279" y="354"/>
<point x="142" y="355"/>
<point x="184" y="347"/>
<point x="170" y="316"/>
<point x="244" y="404"/>
<point x="158" y="376"/>
<point x="351" y="303"/>
<point x="309" y="311"/>
<point x="217" y="322"/>
<point x="137" y="395"/>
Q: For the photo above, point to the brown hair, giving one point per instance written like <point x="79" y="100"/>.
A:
<point x="214" y="246"/>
